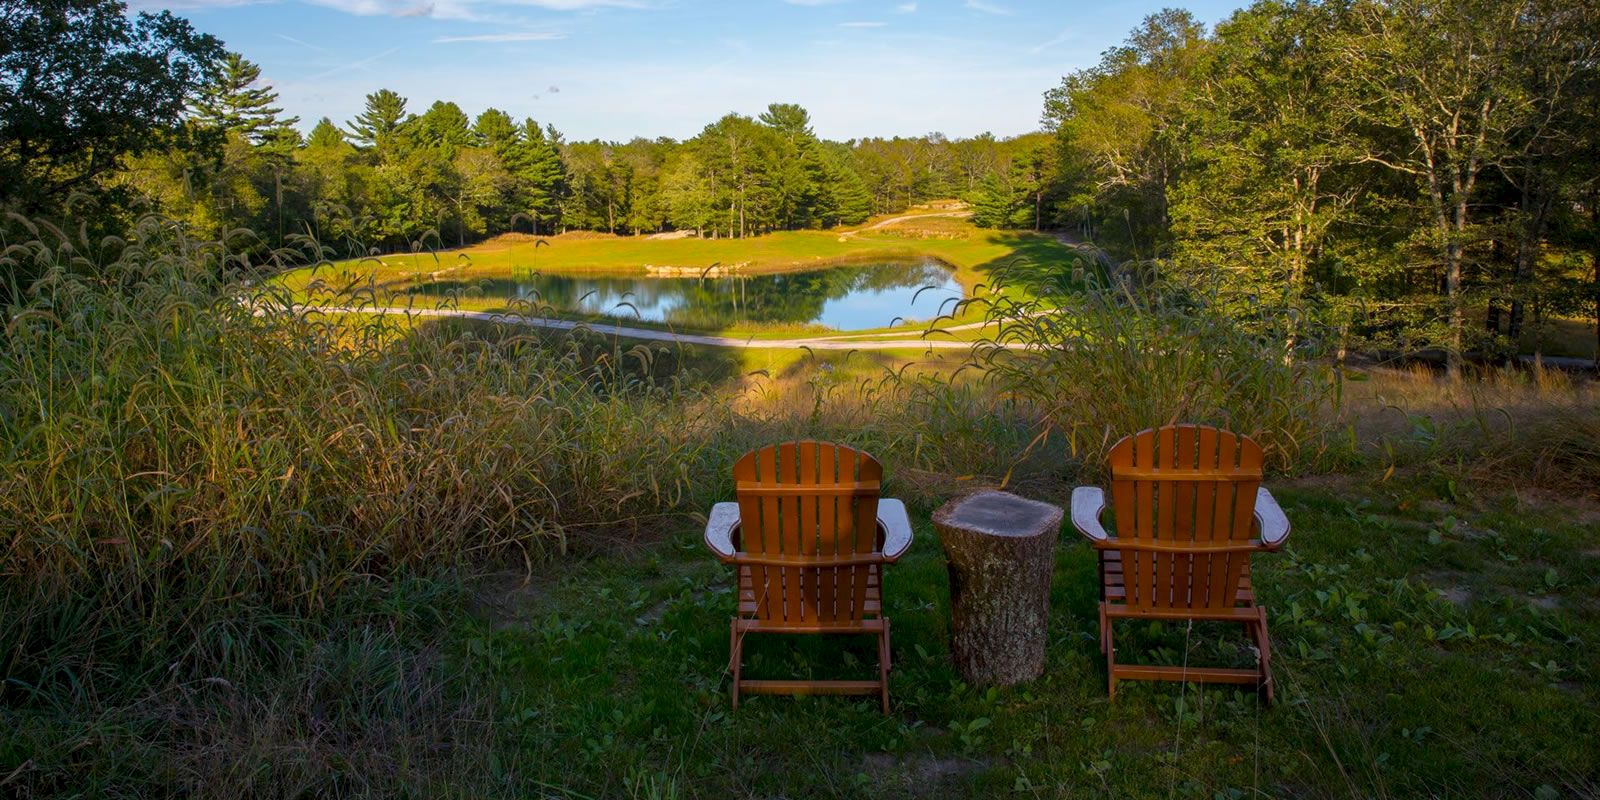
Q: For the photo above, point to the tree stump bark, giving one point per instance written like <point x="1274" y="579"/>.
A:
<point x="1001" y="553"/>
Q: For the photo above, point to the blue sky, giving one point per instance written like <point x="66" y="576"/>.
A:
<point x="615" y="69"/>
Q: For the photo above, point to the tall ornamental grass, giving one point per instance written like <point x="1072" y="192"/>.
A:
<point x="176" y="444"/>
<point x="1102" y="359"/>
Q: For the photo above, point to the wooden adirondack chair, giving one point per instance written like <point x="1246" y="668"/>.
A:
<point x="809" y="536"/>
<point x="1190" y="511"/>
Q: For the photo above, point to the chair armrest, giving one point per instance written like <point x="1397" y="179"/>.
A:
<point x="719" y="530"/>
<point x="1088" y="502"/>
<point x="896" y="525"/>
<point x="892" y="518"/>
<point x="1274" y="524"/>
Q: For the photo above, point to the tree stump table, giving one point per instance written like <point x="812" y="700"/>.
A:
<point x="1001" y="554"/>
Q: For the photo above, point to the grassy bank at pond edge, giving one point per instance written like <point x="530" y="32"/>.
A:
<point x="972" y="253"/>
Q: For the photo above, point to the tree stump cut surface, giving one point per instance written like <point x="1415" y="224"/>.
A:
<point x="1001" y="553"/>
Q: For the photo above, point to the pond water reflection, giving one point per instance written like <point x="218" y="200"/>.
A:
<point x="851" y="297"/>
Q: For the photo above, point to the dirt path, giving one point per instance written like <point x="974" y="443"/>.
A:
<point x="902" y="218"/>
<point x="833" y="342"/>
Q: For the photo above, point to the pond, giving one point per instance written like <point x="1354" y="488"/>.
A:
<point x="846" y="298"/>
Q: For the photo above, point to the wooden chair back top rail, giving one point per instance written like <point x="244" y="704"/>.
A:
<point x="1187" y="474"/>
<point x="853" y="489"/>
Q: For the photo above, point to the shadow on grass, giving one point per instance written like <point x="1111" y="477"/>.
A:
<point x="1039" y="264"/>
<point x="594" y="352"/>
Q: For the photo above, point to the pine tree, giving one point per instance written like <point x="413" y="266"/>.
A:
<point x="842" y="198"/>
<point x="797" y="176"/>
<point x="385" y="111"/>
<point x="537" y="174"/>
<point x="496" y="130"/>
<point x="233" y="102"/>
<point x="445" y="127"/>
<point x="325" y="134"/>
<point x="995" y="203"/>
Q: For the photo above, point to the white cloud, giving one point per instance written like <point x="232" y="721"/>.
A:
<point x="812" y="2"/>
<point x="188" y="5"/>
<point x="862" y="24"/>
<point x="987" y="8"/>
<point x="906" y="8"/>
<point x="457" y="9"/>
<point x="520" y="36"/>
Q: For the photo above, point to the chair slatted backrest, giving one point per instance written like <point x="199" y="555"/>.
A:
<point x="808" y="522"/>
<point x="1184" y="498"/>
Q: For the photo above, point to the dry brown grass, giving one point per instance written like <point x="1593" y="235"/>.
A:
<point x="1537" y="427"/>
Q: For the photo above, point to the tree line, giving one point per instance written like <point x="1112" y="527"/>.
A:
<point x="1390" y="173"/>
<point x="1408" y="173"/>
<point x="212" y="151"/>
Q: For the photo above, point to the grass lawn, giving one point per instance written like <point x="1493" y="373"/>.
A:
<point x="1429" y="642"/>
<point x="270" y="555"/>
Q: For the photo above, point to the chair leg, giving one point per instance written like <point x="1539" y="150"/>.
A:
<point x="1264" y="647"/>
<point x="1108" y="633"/>
<point x="735" y="658"/>
<point x="1104" y="624"/>
<point x="883" y="665"/>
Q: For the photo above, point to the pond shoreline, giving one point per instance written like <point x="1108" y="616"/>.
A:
<point x="842" y="341"/>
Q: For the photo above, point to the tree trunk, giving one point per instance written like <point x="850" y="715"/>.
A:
<point x="1452" y="286"/>
<point x="1534" y="207"/>
<point x="1000" y="549"/>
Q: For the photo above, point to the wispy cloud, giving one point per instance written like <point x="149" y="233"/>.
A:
<point x="906" y="8"/>
<point x="862" y="24"/>
<point x="1060" y="38"/>
<point x="812" y="2"/>
<point x="518" y="36"/>
<point x="580" y="5"/>
<point x="372" y="8"/>
<point x="359" y="64"/>
<point x="987" y="8"/>
<point x="188" y="5"/>
<point x="301" y="42"/>
<point x="459" y="9"/>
